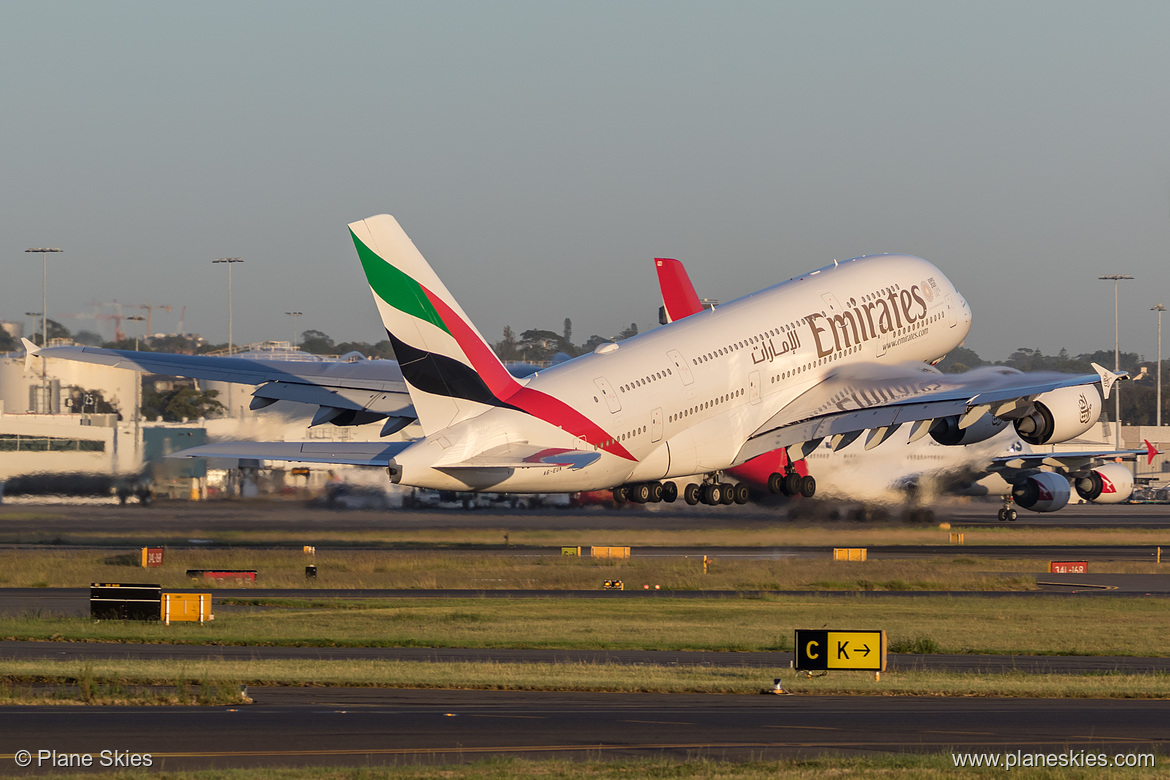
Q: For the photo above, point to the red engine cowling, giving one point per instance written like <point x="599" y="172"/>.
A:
<point x="946" y="430"/>
<point x="1108" y="484"/>
<point x="1060" y="415"/>
<point x="1043" y="492"/>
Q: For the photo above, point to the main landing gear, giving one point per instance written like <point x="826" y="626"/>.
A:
<point x="715" y="493"/>
<point x="1007" y="513"/>
<point x="646" y="493"/>
<point x="792" y="484"/>
<point x="712" y="493"/>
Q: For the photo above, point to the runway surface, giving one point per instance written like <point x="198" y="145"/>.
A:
<point x="305" y="727"/>
<point x="173" y="522"/>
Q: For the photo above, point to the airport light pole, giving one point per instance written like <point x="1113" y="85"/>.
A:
<point x="294" y="314"/>
<point x="137" y="392"/>
<point x="136" y="318"/>
<point x="230" y="261"/>
<point x="1159" y="308"/>
<point x="1115" y="278"/>
<point x="45" y="251"/>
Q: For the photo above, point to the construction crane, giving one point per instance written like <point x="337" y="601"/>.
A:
<point x="149" y="309"/>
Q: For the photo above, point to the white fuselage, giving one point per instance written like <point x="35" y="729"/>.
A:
<point x="682" y="399"/>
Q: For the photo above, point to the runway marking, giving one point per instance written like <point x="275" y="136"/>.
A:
<point x="522" y="717"/>
<point x="811" y="728"/>
<point x="1078" y="585"/>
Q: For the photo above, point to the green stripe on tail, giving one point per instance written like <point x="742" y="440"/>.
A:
<point x="396" y="288"/>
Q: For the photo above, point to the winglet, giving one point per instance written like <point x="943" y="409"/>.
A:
<point x="31" y="350"/>
<point x="1107" y="379"/>
<point x="1151" y="451"/>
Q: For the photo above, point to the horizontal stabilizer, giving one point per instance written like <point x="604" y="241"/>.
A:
<point x="342" y="453"/>
<point x="525" y="456"/>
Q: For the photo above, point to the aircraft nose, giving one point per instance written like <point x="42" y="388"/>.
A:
<point x="965" y="311"/>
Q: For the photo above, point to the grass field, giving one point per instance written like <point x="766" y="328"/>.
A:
<point x="1019" y="625"/>
<point x="217" y="681"/>
<point x="951" y="570"/>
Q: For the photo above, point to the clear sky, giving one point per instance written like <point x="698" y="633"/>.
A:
<point x="540" y="154"/>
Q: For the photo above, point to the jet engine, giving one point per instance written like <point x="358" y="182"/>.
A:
<point x="1042" y="492"/>
<point x="1108" y="484"/>
<point x="1060" y="415"/>
<point x="946" y="430"/>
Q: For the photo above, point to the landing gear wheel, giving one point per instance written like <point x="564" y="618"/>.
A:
<point x="621" y="495"/>
<point x="711" y="495"/>
<point x="1002" y="515"/>
<point x="640" y="493"/>
<point x="669" y="492"/>
<point x="1011" y="515"/>
<point x="808" y="486"/>
<point x="655" y="491"/>
<point x="776" y="484"/>
<point x="691" y="493"/>
<point x="728" y="496"/>
<point x="742" y="493"/>
<point x="792" y="482"/>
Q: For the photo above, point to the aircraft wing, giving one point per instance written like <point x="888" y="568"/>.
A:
<point x="881" y="399"/>
<point x="344" y="453"/>
<point x="351" y="393"/>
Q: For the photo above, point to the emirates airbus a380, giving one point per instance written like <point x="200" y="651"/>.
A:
<point x="836" y="353"/>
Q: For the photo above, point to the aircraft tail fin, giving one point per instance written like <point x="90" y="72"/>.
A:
<point x="679" y="298"/>
<point x="450" y="370"/>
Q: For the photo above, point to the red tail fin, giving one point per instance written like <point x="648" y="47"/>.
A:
<point x="678" y="294"/>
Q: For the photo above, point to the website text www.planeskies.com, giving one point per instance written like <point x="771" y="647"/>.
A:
<point x="1068" y="758"/>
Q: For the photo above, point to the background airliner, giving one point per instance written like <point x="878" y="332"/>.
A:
<point x="835" y="354"/>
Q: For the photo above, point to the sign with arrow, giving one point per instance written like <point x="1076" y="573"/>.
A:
<point x="859" y="650"/>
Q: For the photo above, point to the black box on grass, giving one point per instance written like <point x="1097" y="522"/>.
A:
<point x="125" y="601"/>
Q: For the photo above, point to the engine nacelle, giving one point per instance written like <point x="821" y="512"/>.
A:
<point x="1108" y="484"/>
<point x="946" y="430"/>
<point x="1060" y="415"/>
<point x="1043" y="492"/>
